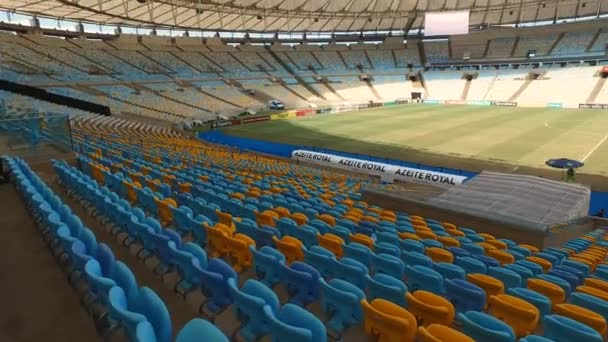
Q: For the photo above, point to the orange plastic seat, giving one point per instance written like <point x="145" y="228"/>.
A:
<point x="486" y="247"/>
<point x="264" y="219"/>
<point x="283" y="212"/>
<point x="490" y="285"/>
<point x="502" y="257"/>
<point x="554" y="292"/>
<point x="388" y="322"/>
<point x="226" y="219"/>
<point x="217" y="240"/>
<point x="597" y="283"/>
<point x="586" y="316"/>
<point x="584" y="261"/>
<point x="411" y="236"/>
<point x="441" y="333"/>
<point x="448" y="241"/>
<point x="362" y="239"/>
<point x="238" y="249"/>
<point x="332" y="243"/>
<point x="131" y="192"/>
<point x="497" y="243"/>
<point x="429" y="308"/>
<point x="439" y="254"/>
<point x="238" y="196"/>
<point x="519" y="314"/>
<point x="593" y="291"/>
<point x="330" y="220"/>
<point x="545" y="264"/>
<point x="487" y="236"/>
<point x="300" y="218"/>
<point x="184" y="187"/>
<point x="531" y="248"/>
<point x="290" y="247"/>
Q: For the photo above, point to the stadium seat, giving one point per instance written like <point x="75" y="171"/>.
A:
<point x="388" y="322"/>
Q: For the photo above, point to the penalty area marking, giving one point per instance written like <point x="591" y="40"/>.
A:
<point x="595" y="148"/>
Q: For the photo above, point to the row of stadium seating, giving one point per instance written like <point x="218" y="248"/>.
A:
<point x="107" y="282"/>
<point x="367" y="268"/>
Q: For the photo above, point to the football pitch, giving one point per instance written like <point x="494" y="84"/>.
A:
<point x="471" y="138"/>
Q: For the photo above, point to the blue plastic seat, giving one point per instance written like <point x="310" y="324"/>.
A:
<point x="567" y="276"/>
<point x="295" y="324"/>
<point x="534" y="267"/>
<point x="423" y="278"/>
<point x="386" y="237"/>
<point x="576" y="272"/>
<point x="542" y="303"/>
<point x="321" y="259"/>
<point x="471" y="265"/>
<point x="341" y="301"/>
<point x="100" y="284"/>
<point x="120" y="311"/>
<point x="308" y="235"/>
<point x="590" y="302"/>
<point x="523" y="272"/>
<point x="267" y="263"/>
<point x="485" y="328"/>
<point x="464" y="295"/>
<point x="351" y="270"/>
<point x="488" y="261"/>
<point x="388" y="264"/>
<point x="579" y="266"/>
<point x="449" y="271"/>
<point x="565" y="285"/>
<point x="387" y="248"/>
<point x="386" y="287"/>
<point x="193" y="330"/>
<point x="149" y="304"/>
<point x="415" y="258"/>
<point x="459" y="252"/>
<point x="301" y="281"/>
<point x="564" y="329"/>
<point x="214" y="284"/>
<point x="409" y="245"/>
<point x="249" y="302"/>
<point x="357" y="252"/>
<point x="535" y="338"/>
<point x="508" y="277"/>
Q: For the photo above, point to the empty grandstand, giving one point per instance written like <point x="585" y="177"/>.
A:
<point x="304" y="170"/>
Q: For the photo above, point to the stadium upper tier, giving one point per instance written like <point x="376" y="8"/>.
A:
<point x="174" y="79"/>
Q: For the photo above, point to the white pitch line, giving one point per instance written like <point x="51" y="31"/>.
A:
<point x="595" y="148"/>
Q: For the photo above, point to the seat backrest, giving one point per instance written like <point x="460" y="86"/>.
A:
<point x="388" y="321"/>
<point x="196" y="328"/>
<point x="519" y="314"/>
<point x="151" y="305"/>
<point x="441" y="333"/>
<point x="464" y="295"/>
<point x="560" y="328"/>
<point x="485" y="328"/>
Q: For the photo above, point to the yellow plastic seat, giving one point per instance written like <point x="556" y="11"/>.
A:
<point x="283" y="212"/>
<point x="449" y="226"/>
<point x="411" y="236"/>
<point x="388" y="322"/>
<point x="332" y="243"/>
<point x="362" y="239"/>
<point x="487" y="236"/>
<point x="217" y="240"/>
<point x="300" y="218"/>
<point x="456" y="232"/>
<point x="441" y="333"/>
<point x="290" y="247"/>
<point x="491" y="285"/>
<point x="226" y="219"/>
<point x="330" y="220"/>
<point x="545" y="264"/>
<point x="426" y="234"/>
<point x="502" y="256"/>
<point x="584" y="261"/>
<point x="497" y="243"/>
<point x="531" y="248"/>
<point x="439" y="254"/>
<point x="264" y="219"/>
<point x="238" y="196"/>
<point x="486" y="247"/>
<point x="184" y="187"/>
<point x="593" y="291"/>
<point x="554" y="292"/>
<point x="586" y="316"/>
<point x="238" y="249"/>
<point x="519" y="314"/>
<point x="164" y="211"/>
<point x="448" y="241"/>
<point x="131" y="192"/>
<point x="429" y="308"/>
<point x="597" y="284"/>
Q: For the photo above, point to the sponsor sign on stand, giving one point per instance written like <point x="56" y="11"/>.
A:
<point x="593" y="106"/>
<point x="255" y="119"/>
<point x="555" y="105"/>
<point x="504" y="103"/>
<point x="479" y="103"/>
<point x="387" y="172"/>
<point x="431" y="101"/>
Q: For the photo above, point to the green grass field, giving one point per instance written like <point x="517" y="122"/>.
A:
<point x="467" y="137"/>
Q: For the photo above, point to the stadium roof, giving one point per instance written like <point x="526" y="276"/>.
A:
<point x="301" y="15"/>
